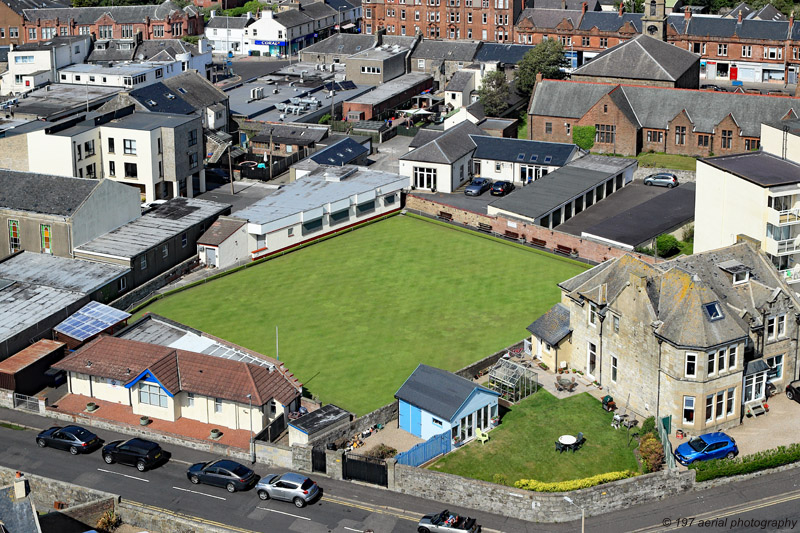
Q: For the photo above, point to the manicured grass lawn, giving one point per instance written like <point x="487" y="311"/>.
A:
<point x="671" y="161"/>
<point x="523" y="445"/>
<point x="357" y="313"/>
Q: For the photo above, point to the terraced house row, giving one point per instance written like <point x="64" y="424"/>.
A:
<point x="743" y="45"/>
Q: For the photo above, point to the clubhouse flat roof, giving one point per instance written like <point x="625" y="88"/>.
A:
<point x="63" y="273"/>
<point x="392" y="88"/>
<point x="760" y="168"/>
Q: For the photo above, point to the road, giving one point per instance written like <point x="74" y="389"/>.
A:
<point x="344" y="506"/>
<point x="765" y="503"/>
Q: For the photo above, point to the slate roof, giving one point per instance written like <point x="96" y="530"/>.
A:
<point x="460" y="81"/>
<point x="341" y="43"/>
<point x="197" y="91"/>
<point x="677" y="291"/>
<point x="768" y="12"/>
<point x="761" y="168"/>
<point x="319" y="10"/>
<point x="154" y="49"/>
<point x="504" y="53"/>
<point x="522" y="150"/>
<point x="593" y="5"/>
<point x="120" y="14"/>
<point x="463" y="51"/>
<point x="763" y="29"/>
<point x="610" y="20"/>
<point x="158" y="98"/>
<point x="17" y="6"/>
<point x="448" y="147"/>
<point x="179" y="370"/>
<point x="231" y="23"/>
<point x="291" y="134"/>
<point x="552" y="326"/>
<point x="55" y="42"/>
<point x="654" y="107"/>
<point x="112" y="51"/>
<point x="550" y="18"/>
<point x="43" y="193"/>
<point x="340" y="153"/>
<point x="322" y="418"/>
<point x="18" y="516"/>
<point x="643" y="57"/>
<point x="344" y="5"/>
<point x="424" y="136"/>
<point x="63" y="273"/>
<point x="291" y="18"/>
<point x="437" y="391"/>
<point x="220" y="230"/>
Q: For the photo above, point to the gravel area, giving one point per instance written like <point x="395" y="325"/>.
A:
<point x="392" y="436"/>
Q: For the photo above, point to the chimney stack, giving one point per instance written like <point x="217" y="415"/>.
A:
<point x="20" y="487"/>
<point x="621" y="8"/>
<point x="584" y="7"/>
<point x="213" y="13"/>
<point x="687" y="12"/>
<point x="563" y="4"/>
<point x="739" y="17"/>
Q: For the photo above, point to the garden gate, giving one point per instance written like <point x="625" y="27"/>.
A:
<point x="367" y="469"/>
<point x="318" y="459"/>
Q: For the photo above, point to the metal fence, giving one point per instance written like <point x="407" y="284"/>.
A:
<point x="273" y="431"/>
<point x="425" y="451"/>
<point x="28" y="403"/>
<point x="366" y="469"/>
<point x="664" y="426"/>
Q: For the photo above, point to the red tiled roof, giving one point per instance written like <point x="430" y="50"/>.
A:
<point x="29" y="355"/>
<point x="180" y="370"/>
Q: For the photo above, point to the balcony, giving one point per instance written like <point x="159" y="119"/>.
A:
<point x="788" y="246"/>
<point x="790" y="275"/>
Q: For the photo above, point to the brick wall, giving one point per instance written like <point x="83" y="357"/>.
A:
<point x="381" y="415"/>
<point x="606" y="112"/>
<point x="586" y="249"/>
<point x="165" y="521"/>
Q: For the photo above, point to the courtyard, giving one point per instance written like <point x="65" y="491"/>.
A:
<point x="523" y="445"/>
<point x="356" y="314"/>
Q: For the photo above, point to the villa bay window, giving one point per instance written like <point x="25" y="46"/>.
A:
<point x="152" y="394"/>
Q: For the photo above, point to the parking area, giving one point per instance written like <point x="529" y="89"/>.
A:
<point x="247" y="192"/>
<point x="779" y="427"/>
<point x="459" y="200"/>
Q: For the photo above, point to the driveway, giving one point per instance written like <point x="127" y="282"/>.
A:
<point x="779" y="427"/>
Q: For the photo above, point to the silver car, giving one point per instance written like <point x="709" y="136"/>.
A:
<point x="662" y="179"/>
<point x="289" y="487"/>
<point x="447" y="522"/>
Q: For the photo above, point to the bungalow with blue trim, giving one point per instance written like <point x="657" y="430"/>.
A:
<point x="432" y="401"/>
<point x="167" y="383"/>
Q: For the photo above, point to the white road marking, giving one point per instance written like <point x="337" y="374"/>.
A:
<point x="125" y="475"/>
<point x="200" y="493"/>
<point x="351" y="529"/>
<point x="287" y="514"/>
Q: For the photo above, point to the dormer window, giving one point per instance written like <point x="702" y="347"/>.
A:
<point x="741" y="277"/>
<point x="713" y="311"/>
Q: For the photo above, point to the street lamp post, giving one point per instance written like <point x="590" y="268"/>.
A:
<point x="583" y="515"/>
<point x="252" y="440"/>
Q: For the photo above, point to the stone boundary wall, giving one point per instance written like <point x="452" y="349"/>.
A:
<point x="469" y="371"/>
<point x="142" y="292"/>
<point x="89" y="513"/>
<point x="6" y="398"/>
<point x="684" y="176"/>
<point x="584" y="249"/>
<point x="536" y="506"/>
<point x="165" y="521"/>
<point x="381" y="415"/>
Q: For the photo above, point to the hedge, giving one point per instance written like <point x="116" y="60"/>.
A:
<point x="782" y="455"/>
<point x="573" y="484"/>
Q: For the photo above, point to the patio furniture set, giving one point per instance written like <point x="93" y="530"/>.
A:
<point x="569" y="443"/>
<point x="565" y="384"/>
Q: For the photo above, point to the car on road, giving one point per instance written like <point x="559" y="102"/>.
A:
<point x="793" y="391"/>
<point x="501" y="188"/>
<point x="712" y="87"/>
<point x="447" y="522"/>
<point x="662" y="179"/>
<point x="73" y="438"/>
<point x="140" y="453"/>
<point x="478" y="187"/>
<point x="289" y="487"/>
<point x="709" y="446"/>
<point x="222" y="473"/>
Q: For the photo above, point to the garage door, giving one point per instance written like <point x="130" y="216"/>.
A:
<point x="747" y="74"/>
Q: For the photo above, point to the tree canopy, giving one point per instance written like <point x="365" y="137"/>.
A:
<point x="548" y="58"/>
<point x="493" y="94"/>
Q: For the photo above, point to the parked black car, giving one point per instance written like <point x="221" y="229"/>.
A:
<point x="73" y="438"/>
<point x="712" y="87"/>
<point x="793" y="391"/>
<point x="501" y="188"/>
<point x="140" y="453"/>
<point x="223" y="473"/>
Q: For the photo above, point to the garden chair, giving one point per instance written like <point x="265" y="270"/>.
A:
<point x="573" y="385"/>
<point x="559" y="388"/>
<point x="559" y="447"/>
<point x="481" y="436"/>
<point x="580" y="439"/>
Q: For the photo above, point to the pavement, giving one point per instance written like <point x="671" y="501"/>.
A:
<point x="781" y="423"/>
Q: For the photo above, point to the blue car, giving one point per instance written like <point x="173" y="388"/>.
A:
<point x="709" y="446"/>
<point x="478" y="187"/>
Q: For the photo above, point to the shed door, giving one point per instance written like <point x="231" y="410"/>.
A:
<point x="415" y="421"/>
<point x="211" y="256"/>
<point x="402" y="419"/>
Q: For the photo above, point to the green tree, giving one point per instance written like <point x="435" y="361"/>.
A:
<point x="667" y="245"/>
<point x="493" y="94"/>
<point x="547" y="58"/>
<point x="583" y="136"/>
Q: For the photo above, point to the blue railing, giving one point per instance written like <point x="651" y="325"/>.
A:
<point x="425" y="451"/>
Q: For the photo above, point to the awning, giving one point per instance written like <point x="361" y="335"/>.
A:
<point x="756" y="367"/>
<point x="348" y="26"/>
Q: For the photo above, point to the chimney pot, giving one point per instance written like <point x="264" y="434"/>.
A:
<point x="621" y="8"/>
<point x="687" y="13"/>
<point x="739" y="18"/>
<point x="20" y="486"/>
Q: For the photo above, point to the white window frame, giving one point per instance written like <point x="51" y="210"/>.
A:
<point x="771" y="329"/>
<point x="711" y="365"/>
<point x="693" y="357"/>
<point x="217" y="405"/>
<point x="741" y="277"/>
<point x="614" y="368"/>
<point x="593" y="316"/>
<point x="722" y="357"/>
<point x="190" y="399"/>
<point x="730" y="401"/>
<point x="732" y="356"/>
<point x="776" y="362"/>
<point x="688" y="404"/>
<point x="709" y="414"/>
<point x="719" y="406"/>
<point x="780" y="330"/>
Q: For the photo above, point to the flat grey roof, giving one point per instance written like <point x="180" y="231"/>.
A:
<point x="60" y="97"/>
<point x="23" y="305"/>
<point x="648" y="220"/>
<point x="387" y="90"/>
<point x="149" y="121"/>
<point x="60" y="272"/>
<point x="129" y="68"/>
<point x="560" y="186"/>
<point x="151" y="229"/>
<point x="313" y="190"/>
<point x="760" y="168"/>
<point x="316" y="421"/>
<point x="379" y="53"/>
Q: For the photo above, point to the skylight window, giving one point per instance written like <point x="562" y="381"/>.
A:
<point x="548" y="158"/>
<point x="520" y="157"/>
<point x="182" y="90"/>
<point x="534" y="157"/>
<point x="713" y="311"/>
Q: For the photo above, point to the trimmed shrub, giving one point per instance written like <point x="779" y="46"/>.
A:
<point x="667" y="245"/>
<point x="324" y="119"/>
<point x="649" y="425"/>
<point x="583" y="136"/>
<point x="573" y="484"/>
<point x="782" y="455"/>
<point x="500" y="479"/>
<point x="652" y="452"/>
<point x="382" y="451"/>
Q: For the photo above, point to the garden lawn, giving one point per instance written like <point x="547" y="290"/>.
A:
<point x="523" y="445"/>
<point x="359" y="312"/>
<point x="670" y="161"/>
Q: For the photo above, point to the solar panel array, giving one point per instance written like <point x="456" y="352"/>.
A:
<point x="225" y="352"/>
<point x="91" y="319"/>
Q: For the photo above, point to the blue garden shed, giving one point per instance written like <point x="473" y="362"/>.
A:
<point x="432" y="401"/>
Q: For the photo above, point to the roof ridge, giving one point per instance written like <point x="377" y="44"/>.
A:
<point x="657" y="62"/>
